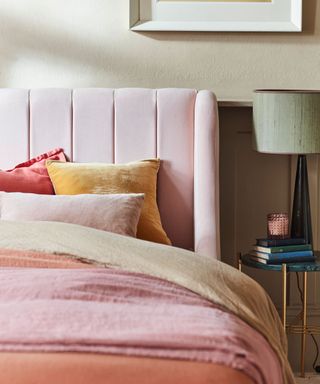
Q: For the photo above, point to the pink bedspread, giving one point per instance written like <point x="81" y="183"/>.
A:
<point x="117" y="312"/>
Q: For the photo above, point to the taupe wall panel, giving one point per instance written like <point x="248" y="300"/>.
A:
<point x="251" y="186"/>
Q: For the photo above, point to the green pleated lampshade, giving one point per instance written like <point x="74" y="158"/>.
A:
<point x="286" y="121"/>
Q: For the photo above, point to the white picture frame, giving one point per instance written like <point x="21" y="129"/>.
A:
<point x="214" y="15"/>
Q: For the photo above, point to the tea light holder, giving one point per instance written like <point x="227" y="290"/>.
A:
<point x="278" y="226"/>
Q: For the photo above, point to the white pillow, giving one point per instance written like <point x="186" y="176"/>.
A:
<point x="118" y="213"/>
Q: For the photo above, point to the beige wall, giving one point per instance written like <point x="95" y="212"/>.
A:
<point x="74" y="43"/>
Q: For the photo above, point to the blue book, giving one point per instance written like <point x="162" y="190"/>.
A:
<point x="282" y="255"/>
<point x="279" y="242"/>
<point x="283" y="249"/>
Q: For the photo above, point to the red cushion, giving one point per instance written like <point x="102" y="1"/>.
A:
<point x="31" y="176"/>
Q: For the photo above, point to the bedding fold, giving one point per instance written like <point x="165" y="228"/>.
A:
<point x="87" y="368"/>
<point x="220" y="285"/>
<point x="124" y="313"/>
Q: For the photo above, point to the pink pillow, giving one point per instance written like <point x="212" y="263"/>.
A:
<point x="118" y="213"/>
<point x="31" y="176"/>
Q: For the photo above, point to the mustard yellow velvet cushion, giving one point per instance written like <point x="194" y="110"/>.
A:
<point x="135" y="177"/>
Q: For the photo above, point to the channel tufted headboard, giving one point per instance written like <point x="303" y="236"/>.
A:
<point x="180" y="126"/>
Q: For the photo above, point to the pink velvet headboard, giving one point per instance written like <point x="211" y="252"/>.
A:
<point x="180" y="126"/>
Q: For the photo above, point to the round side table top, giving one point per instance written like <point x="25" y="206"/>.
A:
<point x="308" y="266"/>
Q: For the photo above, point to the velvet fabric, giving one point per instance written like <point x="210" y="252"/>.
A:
<point x="179" y="126"/>
<point x="117" y="213"/>
<point x="135" y="177"/>
<point x="31" y="176"/>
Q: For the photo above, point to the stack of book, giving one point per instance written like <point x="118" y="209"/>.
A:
<point x="276" y="251"/>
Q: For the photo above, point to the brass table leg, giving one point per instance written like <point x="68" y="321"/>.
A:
<point x="284" y="296"/>
<point x="304" y="323"/>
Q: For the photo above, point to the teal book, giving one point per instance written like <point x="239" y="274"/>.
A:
<point x="280" y="242"/>
<point x="282" y="255"/>
<point x="283" y="249"/>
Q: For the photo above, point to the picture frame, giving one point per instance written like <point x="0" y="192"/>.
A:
<point x="216" y="15"/>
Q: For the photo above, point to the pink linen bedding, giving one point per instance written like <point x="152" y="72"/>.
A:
<point x="84" y="368"/>
<point x="123" y="313"/>
<point x="91" y="368"/>
<point x="151" y="302"/>
<point x="34" y="259"/>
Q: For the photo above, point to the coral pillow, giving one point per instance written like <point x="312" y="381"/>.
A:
<point x="113" y="213"/>
<point x="135" y="177"/>
<point x="31" y="176"/>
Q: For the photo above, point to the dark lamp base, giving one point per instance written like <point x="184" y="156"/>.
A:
<point x="301" y="217"/>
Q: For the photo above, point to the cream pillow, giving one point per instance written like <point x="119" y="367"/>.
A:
<point x="135" y="177"/>
<point x="118" y="213"/>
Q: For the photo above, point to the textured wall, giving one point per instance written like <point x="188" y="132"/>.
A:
<point x="87" y="43"/>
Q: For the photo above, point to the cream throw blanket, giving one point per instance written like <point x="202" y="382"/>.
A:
<point x="210" y="278"/>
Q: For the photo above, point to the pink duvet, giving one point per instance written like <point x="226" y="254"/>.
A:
<point x="121" y="313"/>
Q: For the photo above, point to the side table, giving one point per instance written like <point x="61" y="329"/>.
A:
<point x="305" y="267"/>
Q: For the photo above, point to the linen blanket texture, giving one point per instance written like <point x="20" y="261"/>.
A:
<point x="124" y="313"/>
<point x="211" y="279"/>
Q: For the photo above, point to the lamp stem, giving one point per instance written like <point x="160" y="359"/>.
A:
<point x="301" y="217"/>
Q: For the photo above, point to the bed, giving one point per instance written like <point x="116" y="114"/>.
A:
<point x="85" y="305"/>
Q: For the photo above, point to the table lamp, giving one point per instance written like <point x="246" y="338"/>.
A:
<point x="288" y="122"/>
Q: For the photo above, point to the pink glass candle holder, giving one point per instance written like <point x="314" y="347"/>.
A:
<point x="278" y="226"/>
